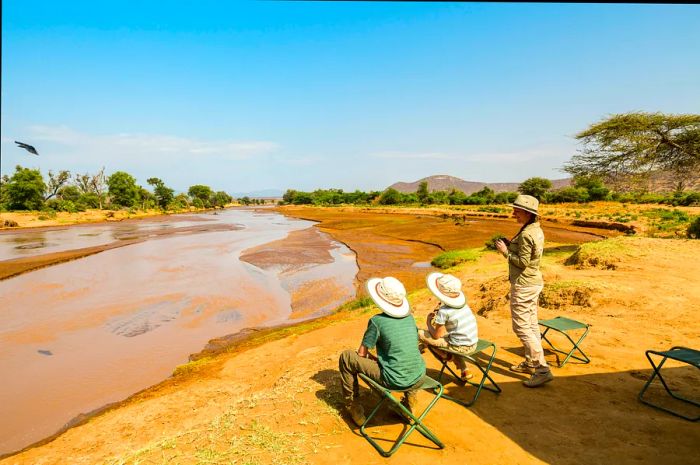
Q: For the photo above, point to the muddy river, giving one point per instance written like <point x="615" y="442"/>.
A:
<point x="84" y="333"/>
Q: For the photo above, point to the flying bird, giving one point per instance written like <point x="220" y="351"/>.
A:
<point x="27" y="147"/>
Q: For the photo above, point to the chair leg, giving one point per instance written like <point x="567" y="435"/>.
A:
<point x="657" y="372"/>
<point x="479" y="386"/>
<point x="415" y="423"/>
<point x="570" y="354"/>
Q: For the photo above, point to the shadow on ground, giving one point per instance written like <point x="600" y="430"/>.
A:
<point x="566" y="422"/>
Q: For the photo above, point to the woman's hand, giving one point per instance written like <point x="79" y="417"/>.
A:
<point x="501" y="247"/>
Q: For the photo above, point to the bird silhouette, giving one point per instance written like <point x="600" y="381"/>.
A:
<point x="27" y="147"/>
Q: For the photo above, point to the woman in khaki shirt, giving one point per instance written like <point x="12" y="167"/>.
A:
<point x="524" y="252"/>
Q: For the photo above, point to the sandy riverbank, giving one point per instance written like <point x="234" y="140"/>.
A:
<point x="276" y="400"/>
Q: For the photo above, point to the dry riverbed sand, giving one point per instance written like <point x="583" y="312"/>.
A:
<point x="275" y="398"/>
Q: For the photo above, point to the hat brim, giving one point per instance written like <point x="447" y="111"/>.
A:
<point x="525" y="209"/>
<point x="385" y="306"/>
<point x="454" y="302"/>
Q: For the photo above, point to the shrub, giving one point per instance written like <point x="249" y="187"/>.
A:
<point x="693" y="231"/>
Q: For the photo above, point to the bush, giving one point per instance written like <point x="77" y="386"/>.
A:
<point x="58" y="205"/>
<point x="455" y="257"/>
<point x="693" y="231"/>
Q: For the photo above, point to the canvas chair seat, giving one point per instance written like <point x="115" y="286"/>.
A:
<point x="564" y="325"/>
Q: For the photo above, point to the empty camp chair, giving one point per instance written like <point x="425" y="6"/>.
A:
<point x="481" y="346"/>
<point x="563" y="325"/>
<point x="678" y="353"/>
<point x="415" y="420"/>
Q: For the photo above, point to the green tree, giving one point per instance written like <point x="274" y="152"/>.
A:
<point x="594" y="186"/>
<point x="221" y="199"/>
<point x="163" y="194"/>
<point x="201" y="193"/>
<point x="629" y="145"/>
<point x="535" y="187"/>
<point x="390" y="197"/>
<point x="25" y="190"/>
<point x="56" y="182"/>
<point x="122" y="189"/>
<point x="423" y="193"/>
<point x="70" y="193"/>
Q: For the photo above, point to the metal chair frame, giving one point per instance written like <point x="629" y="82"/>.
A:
<point x="414" y="422"/>
<point x="562" y="324"/>
<point x="680" y="354"/>
<point x="482" y="345"/>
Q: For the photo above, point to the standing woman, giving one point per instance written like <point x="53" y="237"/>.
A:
<point x="523" y="253"/>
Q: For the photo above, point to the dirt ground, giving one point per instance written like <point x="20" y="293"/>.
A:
<point x="276" y="399"/>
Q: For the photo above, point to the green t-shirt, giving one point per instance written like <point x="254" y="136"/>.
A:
<point x="396" y="340"/>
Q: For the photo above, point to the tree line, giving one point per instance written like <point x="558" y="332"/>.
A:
<point x="27" y="189"/>
<point x="583" y="189"/>
<point x="619" y="156"/>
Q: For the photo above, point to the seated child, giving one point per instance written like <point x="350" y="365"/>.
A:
<point x="452" y="325"/>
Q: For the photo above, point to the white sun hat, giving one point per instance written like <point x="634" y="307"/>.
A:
<point x="447" y="288"/>
<point x="389" y="295"/>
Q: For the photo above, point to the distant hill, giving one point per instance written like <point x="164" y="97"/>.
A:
<point x="443" y="182"/>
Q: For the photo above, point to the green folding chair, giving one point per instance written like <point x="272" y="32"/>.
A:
<point x="678" y="353"/>
<point x="414" y="422"/>
<point x="481" y="346"/>
<point x="562" y="325"/>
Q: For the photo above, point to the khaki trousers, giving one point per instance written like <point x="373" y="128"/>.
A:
<point x="350" y="364"/>
<point x="523" y="311"/>
<point x="426" y="336"/>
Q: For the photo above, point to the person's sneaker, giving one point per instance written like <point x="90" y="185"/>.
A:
<point x="539" y="378"/>
<point x="465" y="376"/>
<point x="357" y="413"/>
<point x="523" y="367"/>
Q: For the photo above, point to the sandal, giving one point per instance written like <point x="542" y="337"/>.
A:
<point x="466" y="376"/>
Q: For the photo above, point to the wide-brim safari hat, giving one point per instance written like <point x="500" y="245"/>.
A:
<point x="527" y="203"/>
<point x="389" y="295"/>
<point x="447" y="288"/>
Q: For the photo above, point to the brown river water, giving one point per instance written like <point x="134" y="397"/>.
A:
<point x="85" y="333"/>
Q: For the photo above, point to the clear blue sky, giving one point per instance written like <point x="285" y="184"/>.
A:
<point x="244" y="96"/>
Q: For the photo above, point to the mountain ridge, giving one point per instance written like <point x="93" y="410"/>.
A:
<point x="444" y="182"/>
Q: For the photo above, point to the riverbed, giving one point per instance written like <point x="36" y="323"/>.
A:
<point x="82" y="334"/>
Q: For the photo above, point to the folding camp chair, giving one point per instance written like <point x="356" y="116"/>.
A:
<point x="415" y="422"/>
<point x="681" y="354"/>
<point x="562" y="324"/>
<point x="482" y="345"/>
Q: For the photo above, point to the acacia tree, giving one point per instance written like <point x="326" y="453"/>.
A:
<point x="92" y="184"/>
<point x="56" y="181"/>
<point x="164" y="195"/>
<point x="535" y="187"/>
<point x="632" y="145"/>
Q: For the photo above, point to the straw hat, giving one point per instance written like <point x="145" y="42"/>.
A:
<point x="527" y="203"/>
<point x="447" y="288"/>
<point x="389" y="295"/>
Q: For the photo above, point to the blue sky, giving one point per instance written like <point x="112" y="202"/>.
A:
<point x="245" y="96"/>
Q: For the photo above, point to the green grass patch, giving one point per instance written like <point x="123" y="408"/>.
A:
<point x="605" y="254"/>
<point x="455" y="257"/>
